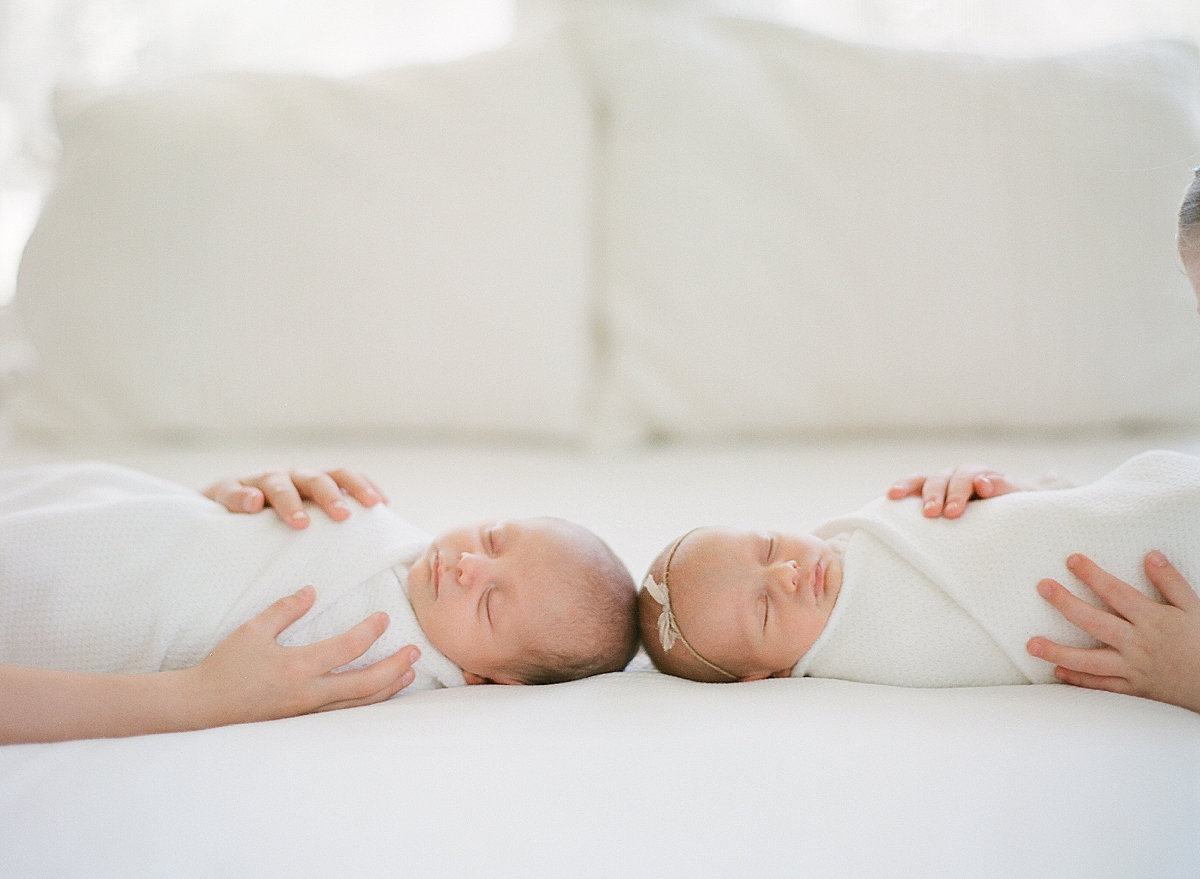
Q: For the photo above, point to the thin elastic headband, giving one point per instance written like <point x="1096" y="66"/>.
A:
<point x="668" y="626"/>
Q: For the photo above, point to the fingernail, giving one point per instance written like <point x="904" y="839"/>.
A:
<point x="340" y="505"/>
<point x="414" y="654"/>
<point x="1034" y="648"/>
<point x="408" y="676"/>
<point x="1157" y="559"/>
<point x="299" y="516"/>
<point x="1044" y="589"/>
<point x="1073" y="561"/>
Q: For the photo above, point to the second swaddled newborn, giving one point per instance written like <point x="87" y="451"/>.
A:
<point x="890" y="596"/>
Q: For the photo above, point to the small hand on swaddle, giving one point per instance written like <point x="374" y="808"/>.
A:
<point x="248" y="677"/>
<point x="286" y="491"/>
<point x="948" y="492"/>
<point x="1151" y="649"/>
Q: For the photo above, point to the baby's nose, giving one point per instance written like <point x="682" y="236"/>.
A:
<point x="787" y="576"/>
<point x="471" y="570"/>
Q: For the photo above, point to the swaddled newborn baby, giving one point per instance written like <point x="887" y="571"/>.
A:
<point x="891" y="596"/>
<point x="105" y="569"/>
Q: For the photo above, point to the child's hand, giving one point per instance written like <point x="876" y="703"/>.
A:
<point x="250" y="677"/>
<point x="947" y="493"/>
<point x="286" y="490"/>
<point x="1153" y="650"/>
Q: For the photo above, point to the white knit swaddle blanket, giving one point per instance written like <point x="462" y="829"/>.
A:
<point x="106" y="569"/>
<point x="952" y="602"/>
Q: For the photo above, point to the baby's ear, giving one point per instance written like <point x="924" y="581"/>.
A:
<point x="471" y="678"/>
<point x="757" y="676"/>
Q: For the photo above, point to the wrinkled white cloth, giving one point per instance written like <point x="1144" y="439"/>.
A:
<point x="952" y="602"/>
<point x="106" y="569"/>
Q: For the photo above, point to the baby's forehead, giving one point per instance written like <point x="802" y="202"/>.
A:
<point x="718" y="565"/>
<point x="552" y="551"/>
<point x="542" y="527"/>
<point x="714" y="548"/>
<point x="555" y="539"/>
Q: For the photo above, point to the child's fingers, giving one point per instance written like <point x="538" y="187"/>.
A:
<point x="323" y="490"/>
<point x="1096" y="661"/>
<point x="365" y="686"/>
<point x="909" y="486"/>
<point x="1113" y="684"/>
<point x="281" y="493"/>
<point x="340" y="649"/>
<point x="235" y="497"/>
<point x="1117" y="594"/>
<point x="1171" y="583"/>
<point x="383" y="496"/>
<point x="358" y="486"/>
<point x="284" y="612"/>
<point x="382" y="694"/>
<point x="993" y="484"/>
<point x="933" y="494"/>
<point x="1102" y="626"/>
<point x="960" y="489"/>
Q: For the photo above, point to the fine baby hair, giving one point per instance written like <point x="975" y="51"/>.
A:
<point x="1189" y="233"/>
<point x="601" y="635"/>
<point x="1189" y="214"/>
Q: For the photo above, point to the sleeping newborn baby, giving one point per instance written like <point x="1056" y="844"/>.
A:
<point x="105" y="569"/>
<point x="890" y="596"/>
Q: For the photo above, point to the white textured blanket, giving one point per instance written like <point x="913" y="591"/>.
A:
<point x="107" y="569"/>
<point x="952" y="602"/>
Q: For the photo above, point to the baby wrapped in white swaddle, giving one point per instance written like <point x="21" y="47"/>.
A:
<point x="105" y="569"/>
<point x="889" y="596"/>
<point x="939" y="602"/>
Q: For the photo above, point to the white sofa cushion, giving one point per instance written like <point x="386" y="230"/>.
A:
<point x="402" y="252"/>
<point x="803" y="235"/>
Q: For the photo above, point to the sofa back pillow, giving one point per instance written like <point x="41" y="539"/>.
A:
<point x="405" y="252"/>
<point x="802" y="235"/>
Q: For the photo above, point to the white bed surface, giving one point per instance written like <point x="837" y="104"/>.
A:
<point x="632" y="774"/>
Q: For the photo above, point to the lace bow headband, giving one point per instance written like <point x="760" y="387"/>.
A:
<point x="668" y="626"/>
